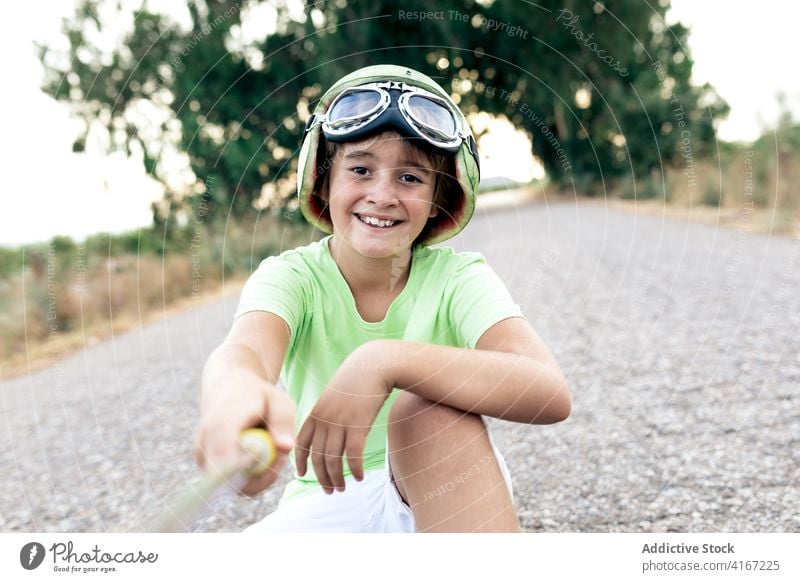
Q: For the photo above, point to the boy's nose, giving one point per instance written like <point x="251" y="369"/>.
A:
<point x="382" y="191"/>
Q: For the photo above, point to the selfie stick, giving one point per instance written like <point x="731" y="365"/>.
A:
<point x="259" y="449"/>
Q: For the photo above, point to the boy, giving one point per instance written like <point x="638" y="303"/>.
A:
<point x="390" y="351"/>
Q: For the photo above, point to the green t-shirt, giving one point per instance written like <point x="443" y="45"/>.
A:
<point x="449" y="299"/>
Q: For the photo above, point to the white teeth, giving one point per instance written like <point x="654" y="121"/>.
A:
<point x="376" y="221"/>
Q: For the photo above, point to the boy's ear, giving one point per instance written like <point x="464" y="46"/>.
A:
<point x="434" y="211"/>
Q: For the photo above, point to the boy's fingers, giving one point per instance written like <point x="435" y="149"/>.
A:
<point x="214" y="444"/>
<point x="258" y="484"/>
<point x="354" y="447"/>
<point x="279" y="417"/>
<point x="197" y="451"/>
<point x="333" y="457"/>
<point x="318" y="453"/>
<point x="303" y="445"/>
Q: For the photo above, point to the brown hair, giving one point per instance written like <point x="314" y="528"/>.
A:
<point x="447" y="193"/>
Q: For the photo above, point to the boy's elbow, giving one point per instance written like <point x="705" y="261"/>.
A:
<point x="557" y="409"/>
<point x="563" y="406"/>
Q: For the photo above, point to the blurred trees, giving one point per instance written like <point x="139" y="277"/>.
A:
<point x="603" y="90"/>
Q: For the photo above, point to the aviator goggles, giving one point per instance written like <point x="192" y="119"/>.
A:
<point x="416" y="113"/>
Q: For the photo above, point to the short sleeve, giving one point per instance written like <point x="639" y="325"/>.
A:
<point x="277" y="287"/>
<point x="478" y="300"/>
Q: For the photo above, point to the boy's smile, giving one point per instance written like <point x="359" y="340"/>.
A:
<point x="380" y="222"/>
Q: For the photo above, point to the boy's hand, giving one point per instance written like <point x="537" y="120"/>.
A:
<point x="342" y="417"/>
<point x="222" y="424"/>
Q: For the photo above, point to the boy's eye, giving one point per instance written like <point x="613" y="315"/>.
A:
<point x="360" y="170"/>
<point x="410" y="178"/>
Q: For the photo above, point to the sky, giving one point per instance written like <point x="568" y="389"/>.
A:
<point x="746" y="53"/>
<point x="79" y="194"/>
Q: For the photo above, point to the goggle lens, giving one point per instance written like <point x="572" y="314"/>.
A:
<point x="432" y="114"/>
<point x="354" y="105"/>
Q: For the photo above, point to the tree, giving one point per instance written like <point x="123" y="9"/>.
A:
<point x="601" y="92"/>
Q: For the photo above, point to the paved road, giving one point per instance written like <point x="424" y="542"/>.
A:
<point x="680" y="344"/>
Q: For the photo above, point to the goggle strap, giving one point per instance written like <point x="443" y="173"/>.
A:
<point x="473" y="149"/>
<point x="310" y="123"/>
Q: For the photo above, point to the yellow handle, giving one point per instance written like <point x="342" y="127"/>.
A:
<point x="258" y="442"/>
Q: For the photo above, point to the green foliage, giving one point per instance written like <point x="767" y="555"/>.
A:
<point x="712" y="195"/>
<point x="147" y="241"/>
<point x="648" y="188"/>
<point x="10" y="262"/>
<point x="62" y="244"/>
<point x="238" y="109"/>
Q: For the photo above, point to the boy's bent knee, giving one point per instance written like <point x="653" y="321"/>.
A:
<point x="409" y="406"/>
<point x="412" y="417"/>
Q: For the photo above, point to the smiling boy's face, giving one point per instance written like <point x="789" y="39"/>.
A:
<point x="380" y="196"/>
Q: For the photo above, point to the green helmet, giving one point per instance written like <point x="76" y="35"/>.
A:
<point x="452" y="220"/>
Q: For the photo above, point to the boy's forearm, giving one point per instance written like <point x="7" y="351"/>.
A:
<point x="498" y="384"/>
<point x="229" y="369"/>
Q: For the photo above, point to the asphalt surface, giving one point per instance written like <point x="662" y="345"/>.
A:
<point x="680" y="343"/>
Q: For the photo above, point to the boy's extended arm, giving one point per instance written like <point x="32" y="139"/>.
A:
<point x="238" y="392"/>
<point x="511" y="375"/>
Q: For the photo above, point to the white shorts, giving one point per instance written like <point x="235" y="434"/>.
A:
<point x="373" y="505"/>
